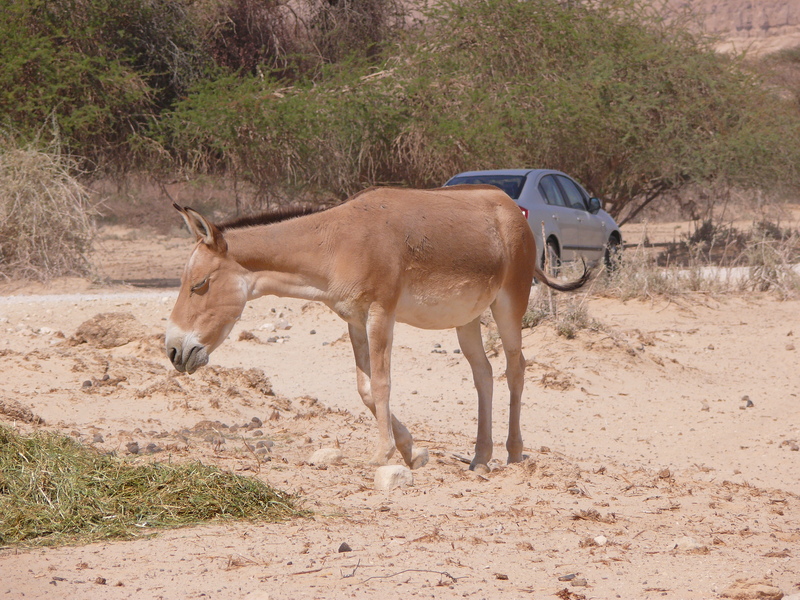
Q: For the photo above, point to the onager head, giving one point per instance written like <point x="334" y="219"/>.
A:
<point x="214" y="290"/>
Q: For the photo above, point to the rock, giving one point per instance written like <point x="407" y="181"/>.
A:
<point x="132" y="447"/>
<point x="752" y="589"/>
<point x="247" y="336"/>
<point x="685" y="543"/>
<point x="601" y="540"/>
<point x="109" y="330"/>
<point x="579" y="582"/>
<point x="97" y="439"/>
<point x="268" y="444"/>
<point x="345" y="547"/>
<point x="18" y="412"/>
<point x="393" y="476"/>
<point x="326" y="456"/>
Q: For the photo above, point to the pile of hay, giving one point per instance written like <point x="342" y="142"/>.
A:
<point x="53" y="490"/>
<point x="46" y="226"/>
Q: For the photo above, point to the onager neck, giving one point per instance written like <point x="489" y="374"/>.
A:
<point x="288" y="259"/>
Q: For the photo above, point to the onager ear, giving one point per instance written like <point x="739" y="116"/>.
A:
<point x="205" y="231"/>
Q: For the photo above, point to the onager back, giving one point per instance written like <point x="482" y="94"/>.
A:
<point x="434" y="259"/>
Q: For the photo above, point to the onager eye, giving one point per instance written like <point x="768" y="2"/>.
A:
<point x="200" y="287"/>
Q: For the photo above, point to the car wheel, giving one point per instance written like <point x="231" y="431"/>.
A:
<point x="613" y="254"/>
<point x="551" y="259"/>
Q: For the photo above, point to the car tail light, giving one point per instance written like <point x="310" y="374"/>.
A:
<point x="524" y="212"/>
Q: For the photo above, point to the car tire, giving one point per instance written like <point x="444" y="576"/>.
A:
<point x="613" y="254"/>
<point x="551" y="259"/>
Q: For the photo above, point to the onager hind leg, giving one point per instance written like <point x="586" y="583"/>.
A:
<point x="469" y="338"/>
<point x="509" y="325"/>
<point x="413" y="457"/>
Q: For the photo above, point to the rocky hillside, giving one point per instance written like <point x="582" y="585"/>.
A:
<point x="759" y="26"/>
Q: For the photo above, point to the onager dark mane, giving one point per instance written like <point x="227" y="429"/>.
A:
<point x="271" y="216"/>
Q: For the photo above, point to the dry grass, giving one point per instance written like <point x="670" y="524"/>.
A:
<point x="567" y="314"/>
<point x="55" y="491"/>
<point x="763" y="259"/>
<point x="46" y="226"/>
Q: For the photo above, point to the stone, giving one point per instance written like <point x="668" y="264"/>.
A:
<point x="685" y="543"/>
<point x="752" y="589"/>
<point x="393" y="476"/>
<point x="326" y="456"/>
<point x="109" y="330"/>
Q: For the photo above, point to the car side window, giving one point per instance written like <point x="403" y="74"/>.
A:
<point x="574" y="195"/>
<point x="549" y="190"/>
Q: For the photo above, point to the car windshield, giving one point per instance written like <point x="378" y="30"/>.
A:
<point x="510" y="184"/>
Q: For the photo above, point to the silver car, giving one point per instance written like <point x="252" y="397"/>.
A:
<point x="574" y="224"/>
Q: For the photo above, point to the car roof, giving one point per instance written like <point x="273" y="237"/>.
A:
<point x="506" y="172"/>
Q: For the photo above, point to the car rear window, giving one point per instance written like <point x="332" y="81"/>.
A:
<point x="510" y="184"/>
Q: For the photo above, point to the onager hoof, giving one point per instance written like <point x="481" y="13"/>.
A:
<point x="419" y="458"/>
<point x="480" y="468"/>
<point x="516" y="458"/>
<point x="381" y="458"/>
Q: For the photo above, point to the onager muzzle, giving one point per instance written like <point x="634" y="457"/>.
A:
<point x="184" y="351"/>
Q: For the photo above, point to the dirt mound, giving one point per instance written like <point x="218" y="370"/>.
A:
<point x="109" y="330"/>
<point x="19" y="412"/>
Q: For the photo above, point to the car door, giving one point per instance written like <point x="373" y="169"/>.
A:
<point x="558" y="209"/>
<point x="590" y="231"/>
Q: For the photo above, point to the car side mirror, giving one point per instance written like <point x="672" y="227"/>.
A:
<point x="595" y="205"/>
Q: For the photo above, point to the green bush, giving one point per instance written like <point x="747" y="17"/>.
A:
<point x="326" y="139"/>
<point x="323" y="98"/>
<point x="100" y="69"/>
<point x="632" y="106"/>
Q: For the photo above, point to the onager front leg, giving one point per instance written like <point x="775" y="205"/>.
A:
<point x="413" y="457"/>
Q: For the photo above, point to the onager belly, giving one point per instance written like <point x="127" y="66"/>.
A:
<point x="443" y="311"/>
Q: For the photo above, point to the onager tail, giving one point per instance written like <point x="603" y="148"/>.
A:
<point x="563" y="287"/>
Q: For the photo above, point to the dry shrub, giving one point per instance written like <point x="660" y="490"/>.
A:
<point x="46" y="226"/>
<point x="762" y="259"/>
<point x="772" y="265"/>
<point x="567" y="314"/>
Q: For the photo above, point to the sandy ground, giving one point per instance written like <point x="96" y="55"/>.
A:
<point x="649" y="475"/>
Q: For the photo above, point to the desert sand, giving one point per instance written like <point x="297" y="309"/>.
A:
<point x="662" y="444"/>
